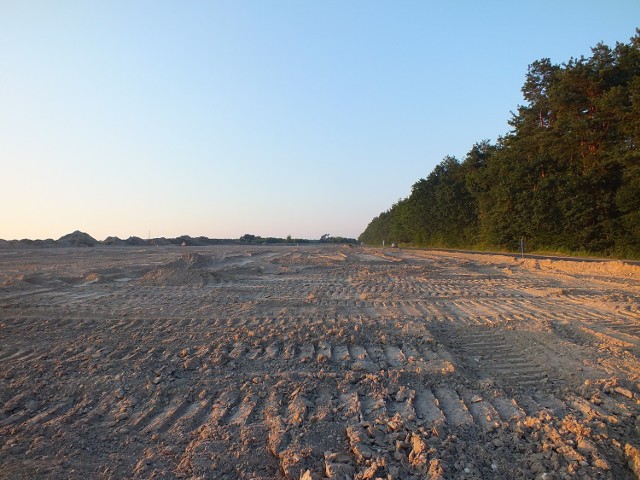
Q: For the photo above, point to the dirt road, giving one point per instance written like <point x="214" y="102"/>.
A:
<point x="316" y="362"/>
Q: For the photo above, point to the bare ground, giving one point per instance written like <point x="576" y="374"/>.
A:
<point x="333" y="362"/>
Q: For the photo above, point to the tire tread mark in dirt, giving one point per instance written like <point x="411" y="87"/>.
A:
<point x="278" y="436"/>
<point x="162" y="416"/>
<point x="305" y="352"/>
<point x="507" y="408"/>
<point x="173" y="416"/>
<point x="15" y="417"/>
<point x="19" y="355"/>
<point x="622" y="326"/>
<point x="49" y="414"/>
<point x="147" y="413"/>
<point x="394" y="355"/>
<point x="223" y="407"/>
<point x="323" y="351"/>
<point x="453" y="406"/>
<point x="492" y="351"/>
<point x="529" y="405"/>
<point x="193" y="417"/>
<point x="242" y="412"/>
<point x="340" y="354"/>
<point x="238" y="350"/>
<point x="350" y="405"/>
<point x="358" y="352"/>
<point x="482" y="411"/>
<point x="402" y="405"/>
<point x="427" y="408"/>
<point x="372" y="406"/>
<point x="289" y="351"/>
<point x="272" y="350"/>
<point x="375" y="352"/>
<point x="255" y="352"/>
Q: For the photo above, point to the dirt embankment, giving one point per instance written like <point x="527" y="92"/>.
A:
<point x="333" y="362"/>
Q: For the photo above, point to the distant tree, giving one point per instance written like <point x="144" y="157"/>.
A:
<point x="247" y="237"/>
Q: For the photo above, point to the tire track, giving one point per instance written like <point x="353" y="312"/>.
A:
<point x="317" y="362"/>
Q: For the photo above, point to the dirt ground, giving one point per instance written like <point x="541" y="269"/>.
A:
<point x="316" y="362"/>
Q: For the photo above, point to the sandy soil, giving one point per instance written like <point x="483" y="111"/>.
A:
<point x="333" y="362"/>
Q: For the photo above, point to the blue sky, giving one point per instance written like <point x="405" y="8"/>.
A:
<point x="264" y="117"/>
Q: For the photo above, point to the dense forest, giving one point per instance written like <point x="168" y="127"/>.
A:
<point x="566" y="178"/>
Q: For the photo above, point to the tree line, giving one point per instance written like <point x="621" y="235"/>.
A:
<point x="566" y="177"/>
<point x="250" y="239"/>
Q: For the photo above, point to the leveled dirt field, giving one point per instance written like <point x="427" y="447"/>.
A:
<point x="333" y="362"/>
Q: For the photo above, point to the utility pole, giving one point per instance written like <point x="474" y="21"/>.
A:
<point x="522" y="247"/>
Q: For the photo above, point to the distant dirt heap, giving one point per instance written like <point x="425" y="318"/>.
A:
<point x="77" y="239"/>
<point x="190" y="269"/>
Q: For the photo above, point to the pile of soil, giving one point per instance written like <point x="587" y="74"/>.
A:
<point x="189" y="269"/>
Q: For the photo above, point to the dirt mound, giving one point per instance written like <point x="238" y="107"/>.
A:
<point x="189" y="269"/>
<point x="77" y="239"/>
<point x="114" y="241"/>
<point x="615" y="268"/>
<point x="136" y="242"/>
<point x="192" y="261"/>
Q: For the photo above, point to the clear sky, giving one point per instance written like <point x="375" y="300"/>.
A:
<point x="220" y="118"/>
